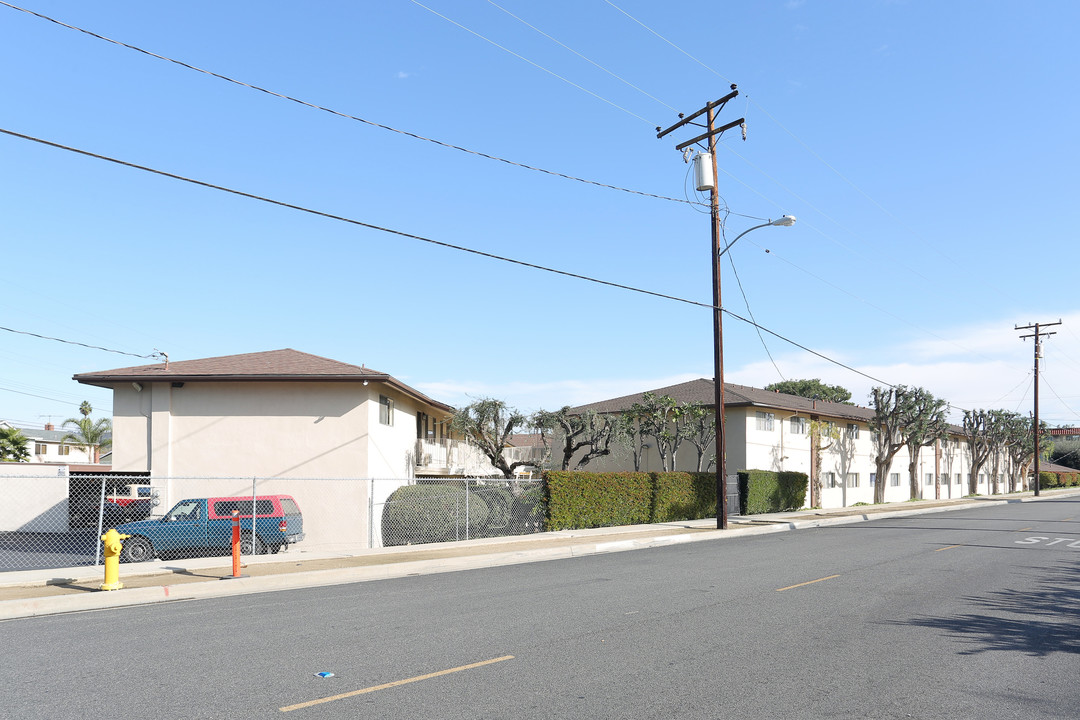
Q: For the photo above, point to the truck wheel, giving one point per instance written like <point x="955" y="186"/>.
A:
<point x="247" y="547"/>
<point x="137" y="549"/>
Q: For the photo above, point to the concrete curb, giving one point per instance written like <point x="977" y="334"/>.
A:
<point x="592" y="544"/>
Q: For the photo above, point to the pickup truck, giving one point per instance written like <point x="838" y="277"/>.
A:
<point x="205" y="525"/>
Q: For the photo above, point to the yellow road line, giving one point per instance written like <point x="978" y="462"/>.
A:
<point x="1023" y="529"/>
<point x="948" y="548"/>
<point x="384" y="686"/>
<point x="811" y="582"/>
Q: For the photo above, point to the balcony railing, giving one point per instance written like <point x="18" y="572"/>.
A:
<point x="445" y="456"/>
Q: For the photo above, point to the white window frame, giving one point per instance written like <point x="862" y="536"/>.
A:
<point x="894" y="479"/>
<point x="797" y="425"/>
<point x="765" y="420"/>
<point x="852" y="480"/>
<point x="853" y="430"/>
<point x="386" y="410"/>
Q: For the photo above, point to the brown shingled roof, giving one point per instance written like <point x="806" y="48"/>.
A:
<point x="702" y="391"/>
<point x="278" y="365"/>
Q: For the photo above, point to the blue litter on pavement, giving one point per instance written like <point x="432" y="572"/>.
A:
<point x="324" y="674"/>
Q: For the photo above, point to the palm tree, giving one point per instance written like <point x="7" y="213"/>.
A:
<point x="88" y="435"/>
<point x="13" y="445"/>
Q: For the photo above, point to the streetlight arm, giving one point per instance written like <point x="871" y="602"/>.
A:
<point x="785" y="221"/>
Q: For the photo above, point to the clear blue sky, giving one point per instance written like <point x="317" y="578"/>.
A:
<point x="928" y="149"/>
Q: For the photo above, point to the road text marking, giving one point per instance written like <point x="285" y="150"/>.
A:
<point x="384" y="686"/>
<point x="811" y="582"/>
<point x="948" y="548"/>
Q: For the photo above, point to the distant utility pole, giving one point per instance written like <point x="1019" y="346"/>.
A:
<point x="1038" y="354"/>
<point x="710" y="135"/>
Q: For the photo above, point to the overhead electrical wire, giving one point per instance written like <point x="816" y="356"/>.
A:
<point x="699" y="62"/>
<point x="1063" y="403"/>
<point x="151" y="356"/>
<point x="535" y="65"/>
<point x="338" y="113"/>
<point x="430" y="241"/>
<point x="591" y="62"/>
<point x="738" y="280"/>
<point x="934" y="247"/>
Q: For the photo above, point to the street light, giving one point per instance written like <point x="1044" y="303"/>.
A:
<point x="785" y="221"/>
<point x="718" y="348"/>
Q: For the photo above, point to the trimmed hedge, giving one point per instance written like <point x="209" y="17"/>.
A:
<point x="764" y="491"/>
<point x="585" y="500"/>
<point x="1053" y="480"/>
<point x="683" y="496"/>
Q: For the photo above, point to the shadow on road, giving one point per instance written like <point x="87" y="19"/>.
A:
<point x="1043" y="620"/>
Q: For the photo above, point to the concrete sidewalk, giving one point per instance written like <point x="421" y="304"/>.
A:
<point x="44" y="592"/>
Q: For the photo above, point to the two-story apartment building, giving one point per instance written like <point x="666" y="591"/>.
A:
<point x="766" y="430"/>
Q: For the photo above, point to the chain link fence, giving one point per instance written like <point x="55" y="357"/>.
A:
<point x="52" y="519"/>
<point x="443" y="510"/>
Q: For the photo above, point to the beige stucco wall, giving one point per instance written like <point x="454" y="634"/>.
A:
<point x="263" y="429"/>
<point x="35" y="497"/>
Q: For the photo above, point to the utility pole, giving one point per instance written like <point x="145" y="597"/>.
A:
<point x="710" y="135"/>
<point x="1038" y="354"/>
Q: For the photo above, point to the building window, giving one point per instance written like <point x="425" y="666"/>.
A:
<point x="798" y="425"/>
<point x="830" y="480"/>
<point x="873" y="479"/>
<point x="386" y="410"/>
<point x="929" y="478"/>
<point x="982" y="478"/>
<point x="63" y="450"/>
<point x="765" y="421"/>
<point x="894" y="479"/>
<point x="41" y="449"/>
<point x="852" y="480"/>
<point x="958" y="480"/>
<point x="853" y="431"/>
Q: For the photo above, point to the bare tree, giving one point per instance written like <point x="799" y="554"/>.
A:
<point x="587" y="430"/>
<point x="489" y="424"/>
<point x="890" y="411"/>
<point x="659" y="418"/>
<point x="699" y="424"/>
<point x="924" y="422"/>
<point x="820" y="430"/>
<point x="976" y="432"/>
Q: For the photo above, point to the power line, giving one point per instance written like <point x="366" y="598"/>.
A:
<point x="591" y="62"/>
<point x="525" y="59"/>
<point x="347" y="116"/>
<point x="43" y="397"/>
<point x="699" y="62"/>
<point x="151" y="356"/>
<point x="439" y="243"/>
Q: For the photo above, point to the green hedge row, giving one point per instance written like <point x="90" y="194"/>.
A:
<point x="764" y="491"/>
<point x="578" y="500"/>
<point x="585" y="500"/>
<point x="1053" y="480"/>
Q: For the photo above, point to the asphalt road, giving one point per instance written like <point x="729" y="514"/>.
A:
<point x="967" y="614"/>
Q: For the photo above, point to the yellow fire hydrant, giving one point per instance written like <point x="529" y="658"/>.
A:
<point x="113" y="547"/>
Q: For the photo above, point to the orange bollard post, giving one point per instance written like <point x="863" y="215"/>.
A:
<point x="236" y="543"/>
